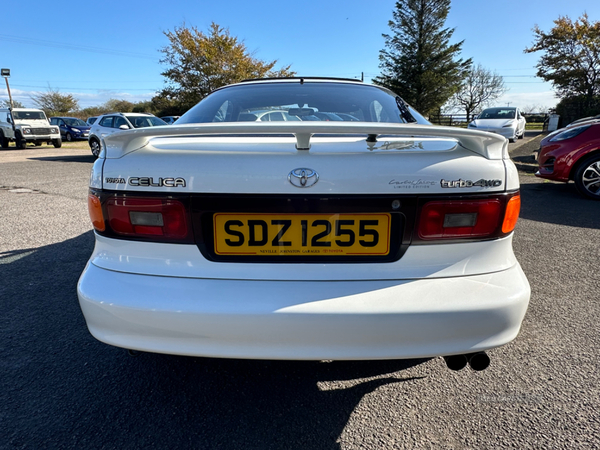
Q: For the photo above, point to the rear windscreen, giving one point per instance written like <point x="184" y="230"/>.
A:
<point x="311" y="101"/>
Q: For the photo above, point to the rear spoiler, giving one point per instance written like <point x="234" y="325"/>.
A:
<point x="488" y="145"/>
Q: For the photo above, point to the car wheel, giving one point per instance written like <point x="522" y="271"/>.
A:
<point x="19" y="141"/>
<point x="68" y="137"/>
<point x="512" y="140"/>
<point x="95" y="147"/>
<point x="3" y="140"/>
<point x="522" y="135"/>
<point x="587" y="177"/>
<point x="57" y="143"/>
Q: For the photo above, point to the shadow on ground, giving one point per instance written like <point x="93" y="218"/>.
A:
<point x="61" y="388"/>
<point x="558" y="203"/>
<point x="525" y="163"/>
<point x="66" y="158"/>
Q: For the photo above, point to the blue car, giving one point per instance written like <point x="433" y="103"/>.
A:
<point x="71" y="128"/>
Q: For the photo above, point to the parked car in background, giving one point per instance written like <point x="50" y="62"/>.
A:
<point x="506" y="121"/>
<point x="385" y="238"/>
<point x="573" y="153"/>
<point x="584" y="119"/>
<point x="90" y="120"/>
<point x="170" y="120"/>
<point x="71" y="128"/>
<point x="111" y="123"/>
<point x="27" y="126"/>
<point x="267" y="116"/>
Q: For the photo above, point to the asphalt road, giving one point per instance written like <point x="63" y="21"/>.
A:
<point x="60" y="388"/>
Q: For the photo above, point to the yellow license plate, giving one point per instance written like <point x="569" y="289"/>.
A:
<point x="302" y="234"/>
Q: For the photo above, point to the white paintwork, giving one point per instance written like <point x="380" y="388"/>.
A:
<point x="512" y="175"/>
<point x="261" y="165"/>
<point x="485" y="144"/>
<point x="419" y="261"/>
<point x="301" y="319"/>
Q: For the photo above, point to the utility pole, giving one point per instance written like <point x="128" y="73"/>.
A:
<point x="6" y="74"/>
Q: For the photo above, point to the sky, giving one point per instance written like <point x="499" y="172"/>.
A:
<point x="97" y="51"/>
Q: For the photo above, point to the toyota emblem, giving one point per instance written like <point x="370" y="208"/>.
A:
<point x="303" y="178"/>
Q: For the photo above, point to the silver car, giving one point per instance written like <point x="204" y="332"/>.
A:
<point x="506" y="121"/>
<point x="111" y="123"/>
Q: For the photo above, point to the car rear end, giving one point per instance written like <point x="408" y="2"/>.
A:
<point x="304" y="240"/>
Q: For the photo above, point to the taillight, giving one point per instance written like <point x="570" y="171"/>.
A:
<point x="480" y="218"/>
<point x="513" y="207"/>
<point x="95" y="210"/>
<point x="147" y="217"/>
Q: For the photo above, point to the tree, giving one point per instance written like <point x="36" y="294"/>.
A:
<point x="143" y="107"/>
<point x="418" y="63"/>
<point x="571" y="56"/>
<point x="53" y="103"/>
<point x="479" y="88"/>
<point x="16" y="104"/>
<point x="535" y="109"/>
<point x="114" y="105"/>
<point x="200" y="63"/>
<point x="166" y="106"/>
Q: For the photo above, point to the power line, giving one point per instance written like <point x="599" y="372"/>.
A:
<point x="82" y="48"/>
<point x="84" y="89"/>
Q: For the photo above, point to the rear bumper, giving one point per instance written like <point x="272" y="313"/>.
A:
<point x="348" y="320"/>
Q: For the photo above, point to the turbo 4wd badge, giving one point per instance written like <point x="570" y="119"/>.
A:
<point x="470" y="184"/>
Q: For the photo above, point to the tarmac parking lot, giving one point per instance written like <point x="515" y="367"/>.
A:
<point x="60" y="388"/>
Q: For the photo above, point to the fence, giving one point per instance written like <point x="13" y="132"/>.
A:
<point x="534" y="120"/>
<point x="449" y="120"/>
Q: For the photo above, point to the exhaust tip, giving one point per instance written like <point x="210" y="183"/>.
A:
<point x="456" y="362"/>
<point x="479" y="361"/>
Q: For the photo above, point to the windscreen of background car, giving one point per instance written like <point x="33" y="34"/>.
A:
<point x="73" y="122"/>
<point x="299" y="101"/>
<point x="31" y="115"/>
<point x="498" y="113"/>
<point x="143" y="122"/>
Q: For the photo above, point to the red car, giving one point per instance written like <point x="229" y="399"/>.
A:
<point x="573" y="153"/>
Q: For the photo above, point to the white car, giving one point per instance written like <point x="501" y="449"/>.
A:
<point x="27" y="126"/>
<point x="309" y="240"/>
<point x="267" y="116"/>
<point x="108" y="124"/>
<point x="505" y="121"/>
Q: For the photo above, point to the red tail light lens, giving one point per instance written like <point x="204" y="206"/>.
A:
<point x="147" y="217"/>
<point x="459" y="219"/>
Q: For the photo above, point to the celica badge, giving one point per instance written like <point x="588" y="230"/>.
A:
<point x="160" y="182"/>
<point x="303" y="177"/>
